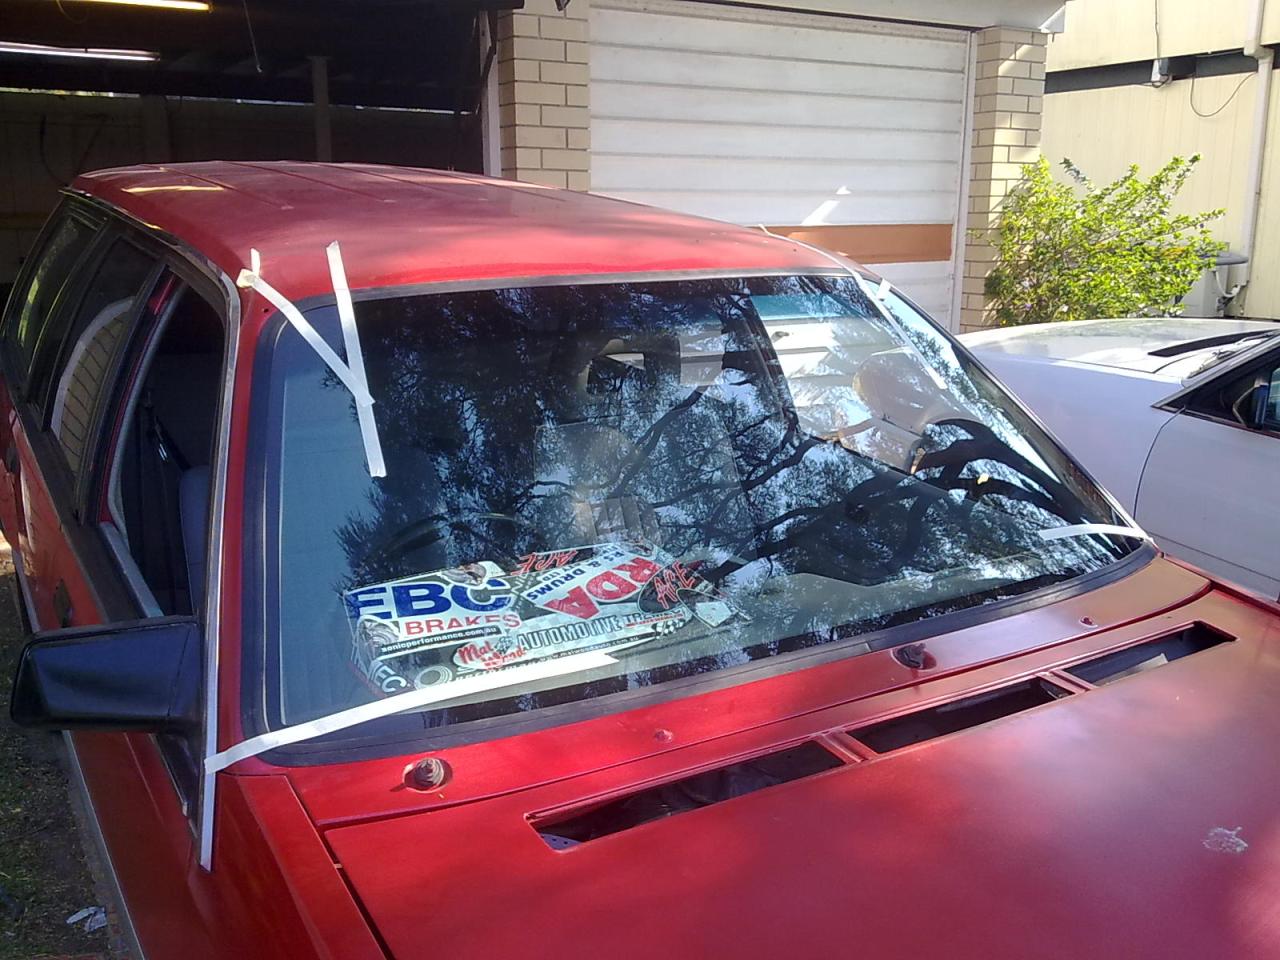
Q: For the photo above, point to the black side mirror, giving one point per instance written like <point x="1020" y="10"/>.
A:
<point x="143" y="675"/>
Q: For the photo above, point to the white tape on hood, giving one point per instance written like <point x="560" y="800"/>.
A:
<point x="1088" y="529"/>
<point x="413" y="700"/>
<point x="351" y="373"/>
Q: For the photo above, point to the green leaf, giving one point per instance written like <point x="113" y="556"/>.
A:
<point x="1077" y="251"/>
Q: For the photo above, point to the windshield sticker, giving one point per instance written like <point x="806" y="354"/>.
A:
<point x="438" y="627"/>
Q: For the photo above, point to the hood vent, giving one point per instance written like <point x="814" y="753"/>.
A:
<point x="1146" y="656"/>
<point x="568" y="828"/>
<point x="564" y="830"/>
<point x="957" y="715"/>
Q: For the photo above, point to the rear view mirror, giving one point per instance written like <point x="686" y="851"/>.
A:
<point x="143" y="675"/>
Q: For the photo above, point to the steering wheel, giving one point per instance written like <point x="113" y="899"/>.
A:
<point x="428" y="530"/>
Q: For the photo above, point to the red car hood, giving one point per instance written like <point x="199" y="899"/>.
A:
<point x="1138" y="819"/>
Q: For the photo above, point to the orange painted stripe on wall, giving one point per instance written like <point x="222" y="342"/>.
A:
<point x="879" y="243"/>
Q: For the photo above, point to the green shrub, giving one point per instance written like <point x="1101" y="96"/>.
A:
<point x="1076" y="251"/>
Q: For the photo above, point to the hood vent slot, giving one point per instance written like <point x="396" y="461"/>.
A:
<point x="564" y="830"/>
<point x="1146" y="656"/>
<point x="957" y="715"/>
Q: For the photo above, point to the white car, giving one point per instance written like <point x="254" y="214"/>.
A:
<point x="1179" y="418"/>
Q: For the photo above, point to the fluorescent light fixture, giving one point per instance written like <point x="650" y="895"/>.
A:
<point x="82" y="53"/>
<point x="198" y="5"/>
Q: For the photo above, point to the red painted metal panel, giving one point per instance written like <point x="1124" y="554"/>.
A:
<point x="337" y="792"/>
<point x="282" y="894"/>
<point x="401" y="226"/>
<point x="1134" y="820"/>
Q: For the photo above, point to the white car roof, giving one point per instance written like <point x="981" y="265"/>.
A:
<point x="1126" y="343"/>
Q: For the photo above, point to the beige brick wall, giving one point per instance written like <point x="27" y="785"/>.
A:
<point x="1009" y="94"/>
<point x="542" y="94"/>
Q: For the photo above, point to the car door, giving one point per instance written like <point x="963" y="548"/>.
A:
<point x="96" y="437"/>
<point x="1209" y="490"/>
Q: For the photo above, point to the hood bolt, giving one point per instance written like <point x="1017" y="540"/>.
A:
<point x="429" y="773"/>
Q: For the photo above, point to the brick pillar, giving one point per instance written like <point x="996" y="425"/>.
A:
<point x="1009" y="93"/>
<point x="542" y="94"/>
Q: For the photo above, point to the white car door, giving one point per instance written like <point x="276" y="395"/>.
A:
<point x="1210" y="490"/>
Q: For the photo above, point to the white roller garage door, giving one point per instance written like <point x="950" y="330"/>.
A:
<point x="851" y="129"/>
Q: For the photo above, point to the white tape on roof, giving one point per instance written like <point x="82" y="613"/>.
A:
<point x="351" y="373"/>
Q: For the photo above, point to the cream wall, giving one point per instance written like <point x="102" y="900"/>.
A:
<point x="1122" y="31"/>
<point x="1263" y="298"/>
<point x="1105" y="130"/>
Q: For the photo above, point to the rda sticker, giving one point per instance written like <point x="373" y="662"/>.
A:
<point x="436" y="627"/>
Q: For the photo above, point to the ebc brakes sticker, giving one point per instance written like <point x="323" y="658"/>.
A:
<point x="432" y="628"/>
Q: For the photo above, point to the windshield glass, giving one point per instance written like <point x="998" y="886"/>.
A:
<point x="674" y="477"/>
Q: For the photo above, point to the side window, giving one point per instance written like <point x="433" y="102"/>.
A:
<point x="1270" y="413"/>
<point x="159" y="484"/>
<point x="77" y="363"/>
<point x="36" y="295"/>
<point x="1251" y="399"/>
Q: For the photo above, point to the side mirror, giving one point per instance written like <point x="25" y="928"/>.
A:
<point x="143" y="675"/>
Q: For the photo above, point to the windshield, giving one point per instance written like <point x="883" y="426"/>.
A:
<point x="676" y="478"/>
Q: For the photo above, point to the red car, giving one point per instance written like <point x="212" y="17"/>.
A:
<point x="433" y="566"/>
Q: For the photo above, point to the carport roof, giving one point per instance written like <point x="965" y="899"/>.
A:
<point x="401" y="226"/>
<point x="396" y="53"/>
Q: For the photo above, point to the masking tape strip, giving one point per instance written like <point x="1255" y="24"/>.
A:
<point x="415" y="700"/>
<point x="1086" y="529"/>
<point x="355" y="358"/>
<point x="351" y="375"/>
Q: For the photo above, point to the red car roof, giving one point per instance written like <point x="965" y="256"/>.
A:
<point x="401" y="225"/>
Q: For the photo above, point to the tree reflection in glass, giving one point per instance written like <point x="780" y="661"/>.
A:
<point x="822" y="470"/>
